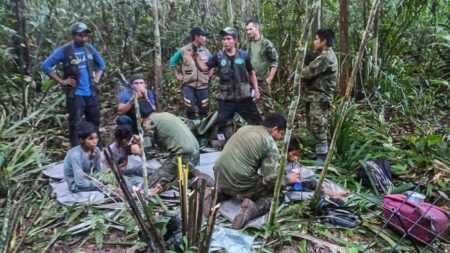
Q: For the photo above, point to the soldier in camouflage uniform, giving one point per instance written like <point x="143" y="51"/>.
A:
<point x="319" y="80"/>
<point x="264" y="59"/>
<point x="248" y="166"/>
<point x="172" y="135"/>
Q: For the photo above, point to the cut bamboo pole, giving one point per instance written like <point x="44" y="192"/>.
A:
<point x="210" y="228"/>
<point x="152" y="241"/>
<point x="345" y="106"/>
<point x="141" y="142"/>
<point x="293" y="107"/>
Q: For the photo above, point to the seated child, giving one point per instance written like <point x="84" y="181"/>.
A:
<point x="85" y="157"/>
<point x="125" y="150"/>
<point x="306" y="177"/>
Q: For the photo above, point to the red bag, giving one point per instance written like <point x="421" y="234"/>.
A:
<point x="433" y="220"/>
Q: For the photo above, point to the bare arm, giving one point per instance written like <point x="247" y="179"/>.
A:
<point x="69" y="81"/>
<point x="124" y="108"/>
<point x="98" y="75"/>
<point x="271" y="75"/>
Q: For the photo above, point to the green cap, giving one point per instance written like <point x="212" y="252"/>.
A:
<point x="229" y="31"/>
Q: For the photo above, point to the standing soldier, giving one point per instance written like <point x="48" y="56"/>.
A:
<point x="237" y="80"/>
<point x="264" y="58"/>
<point x="82" y="67"/>
<point x="319" y="80"/>
<point x="195" y="82"/>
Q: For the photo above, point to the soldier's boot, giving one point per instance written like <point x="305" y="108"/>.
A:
<point x="321" y="153"/>
<point x="250" y="210"/>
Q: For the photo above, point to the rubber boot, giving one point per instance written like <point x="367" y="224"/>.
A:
<point x="250" y="210"/>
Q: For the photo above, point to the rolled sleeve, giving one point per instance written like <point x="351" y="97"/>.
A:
<point x="273" y="56"/>
<point x="270" y="164"/>
<point x="53" y="59"/>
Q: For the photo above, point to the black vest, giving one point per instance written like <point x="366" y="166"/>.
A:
<point x="70" y="64"/>
<point x="234" y="79"/>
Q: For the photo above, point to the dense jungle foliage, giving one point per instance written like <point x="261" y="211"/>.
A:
<point x="400" y="108"/>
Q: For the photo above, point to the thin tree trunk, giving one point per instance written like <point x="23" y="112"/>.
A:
<point x="343" y="44"/>
<point x="375" y="48"/>
<point x="157" y="47"/>
<point x="346" y="104"/>
<point x="312" y="11"/>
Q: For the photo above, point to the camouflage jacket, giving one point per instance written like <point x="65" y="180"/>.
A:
<point x="319" y="78"/>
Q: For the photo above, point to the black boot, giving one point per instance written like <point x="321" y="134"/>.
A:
<point x="250" y="210"/>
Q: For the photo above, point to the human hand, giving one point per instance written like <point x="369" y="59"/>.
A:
<point x="156" y="189"/>
<point x="69" y="81"/>
<point x="179" y="77"/>
<point x="257" y="94"/>
<point x="135" y="150"/>
<point x="293" y="177"/>
<point x="269" y="81"/>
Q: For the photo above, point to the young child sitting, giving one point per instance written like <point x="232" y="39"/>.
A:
<point x="84" y="158"/>
<point x="125" y="150"/>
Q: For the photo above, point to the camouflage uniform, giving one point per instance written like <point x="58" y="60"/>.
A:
<point x="263" y="56"/>
<point x="248" y="164"/>
<point x="319" y="80"/>
<point x="172" y="135"/>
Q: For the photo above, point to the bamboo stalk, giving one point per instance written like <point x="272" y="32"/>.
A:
<point x="346" y="104"/>
<point x="152" y="242"/>
<point x="102" y="187"/>
<point x="155" y="233"/>
<point x="293" y="108"/>
<point x="199" y="211"/>
<point x="141" y="142"/>
<point x="210" y="228"/>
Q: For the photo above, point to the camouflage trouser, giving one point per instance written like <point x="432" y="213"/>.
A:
<point x="264" y="104"/>
<point x="258" y="192"/>
<point x="317" y="114"/>
<point x="169" y="170"/>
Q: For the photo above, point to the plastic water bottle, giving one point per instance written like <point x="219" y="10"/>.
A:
<point x="298" y="186"/>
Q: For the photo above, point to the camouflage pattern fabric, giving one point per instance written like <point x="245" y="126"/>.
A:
<point x="319" y="81"/>
<point x="317" y="115"/>
<point x="264" y="104"/>
<point x="319" y="78"/>
<point x="168" y="171"/>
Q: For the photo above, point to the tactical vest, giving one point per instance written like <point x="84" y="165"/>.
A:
<point x="70" y="64"/>
<point x="234" y="80"/>
<point x="191" y="75"/>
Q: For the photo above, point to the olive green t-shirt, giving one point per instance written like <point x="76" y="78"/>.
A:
<point x="263" y="56"/>
<point x="173" y="135"/>
<point x="250" y="156"/>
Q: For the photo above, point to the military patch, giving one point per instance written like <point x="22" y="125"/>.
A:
<point x="223" y="62"/>
<point x="239" y="61"/>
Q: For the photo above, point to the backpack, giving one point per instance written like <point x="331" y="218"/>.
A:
<point x="333" y="211"/>
<point x="421" y="222"/>
<point x="376" y="173"/>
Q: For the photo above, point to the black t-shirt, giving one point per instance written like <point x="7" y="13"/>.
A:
<point x="213" y="62"/>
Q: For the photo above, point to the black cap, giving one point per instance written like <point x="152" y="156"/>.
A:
<point x="198" y="31"/>
<point x="229" y="31"/>
<point x="79" y="27"/>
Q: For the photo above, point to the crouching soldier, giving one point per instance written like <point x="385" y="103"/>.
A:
<point x="248" y="166"/>
<point x="171" y="135"/>
<point x="84" y="158"/>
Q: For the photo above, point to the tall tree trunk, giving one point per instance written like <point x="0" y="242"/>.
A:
<point x="206" y="8"/>
<point x="343" y="44"/>
<point x="157" y="47"/>
<point x="316" y="23"/>
<point x="375" y="62"/>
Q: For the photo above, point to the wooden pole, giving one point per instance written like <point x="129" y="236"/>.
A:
<point x="346" y="104"/>
<point x="312" y="10"/>
<point x="141" y="142"/>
